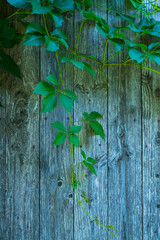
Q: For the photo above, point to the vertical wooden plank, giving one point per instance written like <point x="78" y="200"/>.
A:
<point x="151" y="149"/>
<point x="92" y="95"/>
<point x="124" y="142"/>
<point x="56" y="195"/>
<point x="21" y="202"/>
<point x="2" y="148"/>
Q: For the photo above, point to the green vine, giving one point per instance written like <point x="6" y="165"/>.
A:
<point x="36" y="34"/>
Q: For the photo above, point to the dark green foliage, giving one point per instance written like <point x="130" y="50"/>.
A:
<point x="7" y="63"/>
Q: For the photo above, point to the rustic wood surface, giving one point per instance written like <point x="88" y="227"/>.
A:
<point x="36" y="198"/>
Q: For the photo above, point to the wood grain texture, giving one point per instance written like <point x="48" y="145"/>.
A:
<point x="56" y="194"/>
<point x="21" y="164"/>
<point x="92" y="94"/>
<point x="151" y="150"/>
<point x="124" y="142"/>
<point x="36" y="197"/>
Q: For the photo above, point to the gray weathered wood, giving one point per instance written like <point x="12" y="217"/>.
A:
<point x="36" y="197"/>
<point x="124" y="144"/>
<point x="92" y="94"/>
<point x="56" y="194"/>
<point x="21" y="166"/>
<point x="151" y="150"/>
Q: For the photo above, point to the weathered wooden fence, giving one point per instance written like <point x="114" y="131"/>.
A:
<point x="36" y="197"/>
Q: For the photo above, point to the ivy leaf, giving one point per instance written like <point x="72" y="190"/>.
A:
<point x="33" y="40"/>
<point x="153" y="45"/>
<point x="66" y="102"/>
<point x="60" y="138"/>
<point x="75" y="129"/>
<point x="87" y="4"/>
<point x="44" y="88"/>
<point x="49" y="102"/>
<point x="137" y="4"/>
<point x="63" y="42"/>
<point x="89" y="69"/>
<point x="56" y="17"/>
<point x="136" y="55"/>
<point x="126" y="17"/>
<point x="51" y="44"/>
<point x="66" y="5"/>
<point x="154" y="57"/>
<point x="34" y="28"/>
<point x="119" y="43"/>
<point x="38" y="9"/>
<point x="74" y="140"/>
<point x="19" y="3"/>
<point x="59" y="33"/>
<point x="64" y="59"/>
<point x="8" y="64"/>
<point x="89" y="159"/>
<point x="51" y="78"/>
<point x="1" y="105"/>
<point x="83" y="154"/>
<point x="85" y="55"/>
<point x="92" y="115"/>
<point x="97" y="127"/>
<point x="59" y="126"/>
<point x="74" y="185"/>
<point x="71" y="94"/>
<point x="91" y="168"/>
<point x="79" y="65"/>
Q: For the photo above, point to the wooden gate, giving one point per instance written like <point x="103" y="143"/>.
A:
<point x="36" y="197"/>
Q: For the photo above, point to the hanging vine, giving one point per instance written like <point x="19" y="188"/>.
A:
<point x="53" y="88"/>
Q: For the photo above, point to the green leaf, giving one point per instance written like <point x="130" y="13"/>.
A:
<point x="51" y="44"/>
<point x="92" y="115"/>
<point x="49" y="102"/>
<point x="79" y="65"/>
<point x="64" y="59"/>
<point x="19" y="3"/>
<point x="71" y="94"/>
<point x="66" y="102"/>
<point x="136" y="55"/>
<point x="126" y="17"/>
<point x="59" y="33"/>
<point x="89" y="69"/>
<point x="38" y="9"/>
<point x="85" y="55"/>
<point x="90" y="16"/>
<point x="101" y="30"/>
<point x="83" y="154"/>
<point x="91" y="168"/>
<point x="74" y="140"/>
<point x="97" y="127"/>
<point x="74" y="185"/>
<point x="8" y="64"/>
<point x="140" y="45"/>
<point x="44" y="88"/>
<point x="137" y="4"/>
<point x="63" y="42"/>
<point x="153" y="45"/>
<point x="119" y="43"/>
<point x="60" y="138"/>
<point x="1" y="105"/>
<point x="59" y="126"/>
<point x="89" y="159"/>
<point x="51" y="78"/>
<point x="66" y="5"/>
<point x="34" y="28"/>
<point x="56" y="17"/>
<point x="75" y="129"/>
<point x="87" y="4"/>
<point x="154" y="57"/>
<point x="33" y="40"/>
